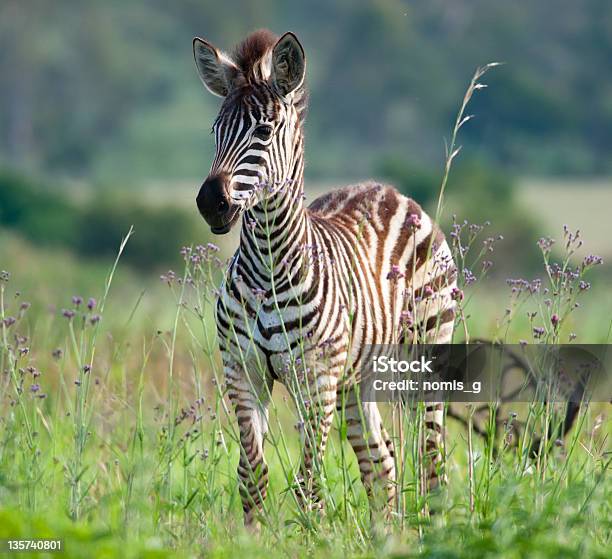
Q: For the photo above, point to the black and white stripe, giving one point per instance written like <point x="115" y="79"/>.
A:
<point x="310" y="288"/>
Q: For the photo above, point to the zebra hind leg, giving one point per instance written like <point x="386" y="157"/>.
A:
<point x="435" y="473"/>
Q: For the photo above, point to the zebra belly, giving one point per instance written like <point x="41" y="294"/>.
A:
<point x="265" y="344"/>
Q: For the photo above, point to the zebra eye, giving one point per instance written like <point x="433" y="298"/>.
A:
<point x="263" y="131"/>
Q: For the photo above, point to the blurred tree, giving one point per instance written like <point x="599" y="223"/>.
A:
<point x="69" y="73"/>
<point x="87" y="87"/>
<point x="95" y="228"/>
<point x="416" y="182"/>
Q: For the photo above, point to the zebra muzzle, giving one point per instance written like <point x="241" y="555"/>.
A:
<point x="215" y="205"/>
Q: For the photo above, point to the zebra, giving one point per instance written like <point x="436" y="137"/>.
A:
<point x="360" y="265"/>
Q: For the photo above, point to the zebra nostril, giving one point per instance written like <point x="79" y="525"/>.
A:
<point x="213" y="200"/>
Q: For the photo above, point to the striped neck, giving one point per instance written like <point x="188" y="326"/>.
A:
<point x="275" y="230"/>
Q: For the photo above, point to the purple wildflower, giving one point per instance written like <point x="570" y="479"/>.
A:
<point x="406" y="319"/>
<point x="413" y="221"/>
<point x="395" y="273"/>
<point x="169" y="277"/>
<point x="545" y="244"/>
<point x="468" y="276"/>
<point x="489" y="244"/>
<point x="457" y="294"/>
<point x="520" y="285"/>
<point x="592" y="260"/>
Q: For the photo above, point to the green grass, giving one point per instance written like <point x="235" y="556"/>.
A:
<point x="107" y="467"/>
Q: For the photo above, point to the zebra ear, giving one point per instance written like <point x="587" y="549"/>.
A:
<point x="288" y="64"/>
<point x="216" y="70"/>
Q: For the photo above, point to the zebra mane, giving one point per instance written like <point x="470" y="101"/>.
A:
<point x="252" y="58"/>
<point x="252" y="50"/>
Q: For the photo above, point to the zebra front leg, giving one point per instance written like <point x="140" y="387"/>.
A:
<point x="315" y="407"/>
<point x="374" y="450"/>
<point x="250" y="402"/>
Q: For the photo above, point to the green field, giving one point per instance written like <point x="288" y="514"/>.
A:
<point x="117" y="436"/>
<point x="136" y="457"/>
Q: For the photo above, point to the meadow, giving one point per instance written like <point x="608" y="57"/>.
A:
<point x="116" y="436"/>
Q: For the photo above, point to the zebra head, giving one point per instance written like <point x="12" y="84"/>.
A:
<point x="258" y="126"/>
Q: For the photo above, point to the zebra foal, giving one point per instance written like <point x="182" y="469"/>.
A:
<point x="361" y="265"/>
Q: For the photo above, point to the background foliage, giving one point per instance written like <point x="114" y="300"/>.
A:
<point x="108" y="89"/>
<point x="101" y="110"/>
